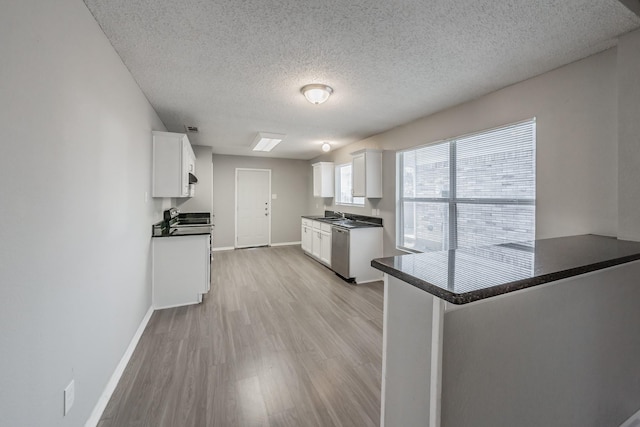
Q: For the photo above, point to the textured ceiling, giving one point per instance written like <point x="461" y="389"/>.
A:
<point x="235" y="67"/>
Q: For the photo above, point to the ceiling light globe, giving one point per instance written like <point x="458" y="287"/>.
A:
<point x="316" y="93"/>
<point x="326" y="147"/>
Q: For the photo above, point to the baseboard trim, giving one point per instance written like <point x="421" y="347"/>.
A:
<point x="223" y="248"/>
<point x="94" y="418"/>
<point x="371" y="280"/>
<point x="286" y="244"/>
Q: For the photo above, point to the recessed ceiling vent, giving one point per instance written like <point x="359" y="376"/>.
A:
<point x="191" y="129"/>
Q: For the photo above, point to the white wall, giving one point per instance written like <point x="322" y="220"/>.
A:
<point x="565" y="354"/>
<point x="629" y="136"/>
<point x="576" y="181"/>
<point x="290" y="180"/>
<point x="75" y="229"/>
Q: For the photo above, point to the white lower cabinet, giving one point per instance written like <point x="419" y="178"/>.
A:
<point x="315" y="247"/>
<point x="307" y="235"/>
<point x="316" y="240"/>
<point x="325" y="247"/>
<point x="365" y="244"/>
<point x="181" y="271"/>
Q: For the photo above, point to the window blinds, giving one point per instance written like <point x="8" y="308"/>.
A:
<point x="474" y="190"/>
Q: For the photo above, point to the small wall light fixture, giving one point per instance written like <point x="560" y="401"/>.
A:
<point x="316" y="93"/>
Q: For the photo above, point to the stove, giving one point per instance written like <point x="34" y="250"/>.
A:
<point x="176" y="223"/>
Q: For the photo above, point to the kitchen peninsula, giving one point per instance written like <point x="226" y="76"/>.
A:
<point x="527" y="334"/>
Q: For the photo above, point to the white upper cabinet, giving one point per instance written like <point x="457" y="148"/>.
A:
<point x="173" y="160"/>
<point x="366" y="173"/>
<point x="323" y="179"/>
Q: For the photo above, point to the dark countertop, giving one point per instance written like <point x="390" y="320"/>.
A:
<point x="183" y="232"/>
<point x="461" y="276"/>
<point x="351" y="220"/>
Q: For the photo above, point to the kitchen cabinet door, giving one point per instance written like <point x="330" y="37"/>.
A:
<point x="181" y="270"/>
<point x="358" y="171"/>
<point x="307" y="236"/>
<point x="325" y="248"/>
<point x="187" y="166"/>
<point x="323" y="179"/>
<point x="173" y="159"/>
<point x="366" y="174"/>
<point x="315" y="243"/>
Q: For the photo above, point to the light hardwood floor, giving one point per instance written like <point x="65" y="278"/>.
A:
<point x="279" y="341"/>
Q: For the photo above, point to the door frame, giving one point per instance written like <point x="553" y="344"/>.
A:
<point x="235" y="213"/>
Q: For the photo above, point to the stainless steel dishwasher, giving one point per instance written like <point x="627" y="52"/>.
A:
<point x="340" y="251"/>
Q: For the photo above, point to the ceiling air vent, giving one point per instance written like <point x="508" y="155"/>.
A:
<point x="191" y="129"/>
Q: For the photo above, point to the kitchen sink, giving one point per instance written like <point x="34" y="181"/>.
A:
<point x="341" y="222"/>
<point x="347" y="223"/>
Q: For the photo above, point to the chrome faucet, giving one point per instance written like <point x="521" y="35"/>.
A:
<point x="339" y="214"/>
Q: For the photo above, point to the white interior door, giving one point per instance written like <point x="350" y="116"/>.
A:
<point x="253" y="207"/>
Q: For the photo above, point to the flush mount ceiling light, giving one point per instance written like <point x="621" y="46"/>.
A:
<point x="316" y="93"/>
<point x="326" y="147"/>
<point x="266" y="141"/>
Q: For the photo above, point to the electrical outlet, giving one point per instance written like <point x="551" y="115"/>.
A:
<point x="146" y="197"/>
<point x="69" y="396"/>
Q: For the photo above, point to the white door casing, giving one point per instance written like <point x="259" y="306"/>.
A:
<point x="253" y="207"/>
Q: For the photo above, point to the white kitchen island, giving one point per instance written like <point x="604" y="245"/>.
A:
<point x="536" y="334"/>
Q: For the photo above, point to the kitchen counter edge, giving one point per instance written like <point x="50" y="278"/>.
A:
<point x="362" y="224"/>
<point x="627" y="251"/>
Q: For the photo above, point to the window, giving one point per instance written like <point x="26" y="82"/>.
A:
<point x="469" y="191"/>
<point x="343" y="187"/>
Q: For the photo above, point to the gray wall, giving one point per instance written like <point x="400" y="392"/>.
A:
<point x="290" y="180"/>
<point x="629" y="136"/>
<point x="75" y="230"/>
<point x="566" y="354"/>
<point x="203" y="200"/>
<point x="577" y="161"/>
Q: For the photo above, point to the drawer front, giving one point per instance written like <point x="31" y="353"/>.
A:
<point x="325" y="227"/>
<point x="306" y="222"/>
<point x="316" y="225"/>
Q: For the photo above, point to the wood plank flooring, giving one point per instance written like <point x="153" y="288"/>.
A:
<point x="279" y="341"/>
